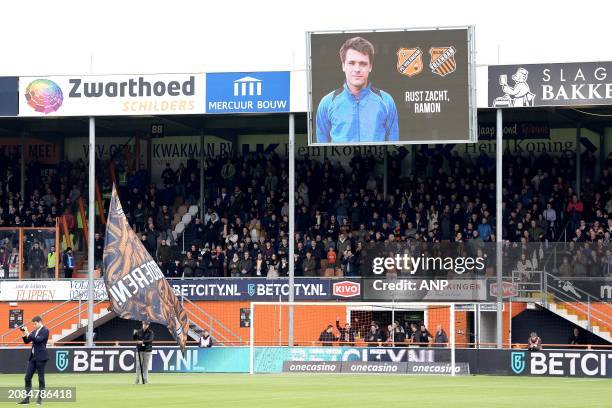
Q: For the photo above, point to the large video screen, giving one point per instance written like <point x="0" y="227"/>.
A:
<point x="392" y="87"/>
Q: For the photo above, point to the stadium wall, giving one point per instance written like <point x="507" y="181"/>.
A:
<point x="271" y="320"/>
<point x="550" y="363"/>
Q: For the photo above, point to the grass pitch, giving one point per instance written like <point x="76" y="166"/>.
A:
<point x="324" y="390"/>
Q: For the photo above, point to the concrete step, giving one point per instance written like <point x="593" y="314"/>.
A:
<point x="579" y="319"/>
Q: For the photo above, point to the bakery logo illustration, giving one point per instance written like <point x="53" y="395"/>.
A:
<point x="518" y="95"/>
<point x="410" y="61"/>
<point x="443" y="60"/>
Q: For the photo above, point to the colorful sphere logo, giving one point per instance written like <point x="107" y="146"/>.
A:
<point x="44" y="95"/>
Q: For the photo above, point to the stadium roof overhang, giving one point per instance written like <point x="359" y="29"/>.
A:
<point x="183" y="125"/>
<point x="595" y="119"/>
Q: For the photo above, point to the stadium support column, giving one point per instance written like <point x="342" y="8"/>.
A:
<point x="385" y="173"/>
<point x="578" y="160"/>
<point x="91" y="229"/>
<point x="452" y="330"/>
<point x="602" y="151"/>
<point x="202" y="146"/>
<point x="291" y="237"/>
<point x="499" y="150"/>
<point x="477" y="324"/>
<point x="23" y="166"/>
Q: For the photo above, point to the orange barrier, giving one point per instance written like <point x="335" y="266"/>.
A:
<point x="517" y="346"/>
<point x="83" y="216"/>
<point x="100" y="204"/>
<point x="271" y="321"/>
<point x="65" y="231"/>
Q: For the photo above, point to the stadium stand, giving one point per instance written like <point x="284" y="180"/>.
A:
<point x="450" y="199"/>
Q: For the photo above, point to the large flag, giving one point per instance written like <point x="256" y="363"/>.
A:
<point x="136" y="286"/>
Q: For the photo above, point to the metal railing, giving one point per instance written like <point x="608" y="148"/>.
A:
<point x="573" y="297"/>
<point x="534" y="286"/>
<point x="205" y="320"/>
<point x="60" y="319"/>
<point x="529" y="285"/>
<point x="78" y="314"/>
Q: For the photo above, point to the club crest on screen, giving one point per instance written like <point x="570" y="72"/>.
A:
<point x="409" y="61"/>
<point x="442" y="60"/>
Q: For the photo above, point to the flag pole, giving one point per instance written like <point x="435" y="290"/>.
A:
<point x="140" y="364"/>
<point x="91" y="230"/>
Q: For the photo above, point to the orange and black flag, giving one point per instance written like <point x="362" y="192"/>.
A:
<point x="136" y="286"/>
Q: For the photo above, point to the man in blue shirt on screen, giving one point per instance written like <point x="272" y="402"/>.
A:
<point x="357" y="111"/>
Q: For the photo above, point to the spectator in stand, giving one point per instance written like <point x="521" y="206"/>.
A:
<point x="327" y="337"/>
<point x="440" y="339"/>
<point x="98" y="249"/>
<point x="51" y="261"/>
<point x="246" y="265"/>
<point x="534" y="343"/>
<point x="68" y="262"/>
<point x="152" y="237"/>
<point x="283" y="269"/>
<point x="145" y="243"/>
<point x="181" y="178"/>
<point x="234" y="266"/>
<point x="485" y="230"/>
<point x="374" y="337"/>
<point x="4" y="262"/>
<point x="200" y="268"/>
<point x="574" y="209"/>
<point x="398" y="334"/>
<point x="576" y="338"/>
<point x="174" y="270"/>
<point x="260" y="267"/>
<point x="412" y="333"/>
<point x="36" y="258"/>
<point x="189" y="265"/>
<point x="273" y="265"/>
<point x="168" y="176"/>
<point x="309" y="266"/>
<point x="424" y="337"/>
<point x="164" y="253"/>
<point x="331" y="257"/>
<point x="138" y="217"/>
<point x="206" y="340"/>
<point x="347" y="333"/>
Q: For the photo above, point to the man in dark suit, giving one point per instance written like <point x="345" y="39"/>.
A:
<point x="38" y="358"/>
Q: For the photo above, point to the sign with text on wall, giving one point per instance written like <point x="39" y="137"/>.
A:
<point x="564" y="84"/>
<point x="111" y="95"/>
<point x="248" y="92"/>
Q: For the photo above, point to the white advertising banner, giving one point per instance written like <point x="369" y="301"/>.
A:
<point x="49" y="290"/>
<point x="36" y="291"/>
<point x="112" y="95"/>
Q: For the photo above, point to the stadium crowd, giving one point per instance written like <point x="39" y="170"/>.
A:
<point x="340" y="210"/>
<point x="374" y="335"/>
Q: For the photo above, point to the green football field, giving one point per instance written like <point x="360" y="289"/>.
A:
<point x="325" y="390"/>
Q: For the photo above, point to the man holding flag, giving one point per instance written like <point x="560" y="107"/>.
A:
<point x="144" y="345"/>
<point x="136" y="286"/>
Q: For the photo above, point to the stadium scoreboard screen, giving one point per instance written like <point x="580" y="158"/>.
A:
<point x="392" y="87"/>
